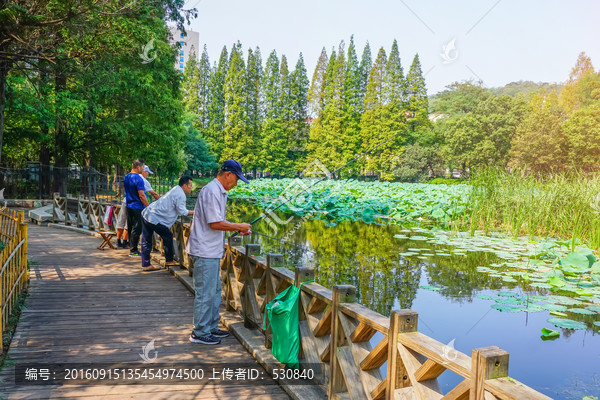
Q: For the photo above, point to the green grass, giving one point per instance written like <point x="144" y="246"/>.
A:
<point x="564" y="205"/>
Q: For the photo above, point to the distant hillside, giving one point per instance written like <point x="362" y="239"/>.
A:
<point x="511" y="89"/>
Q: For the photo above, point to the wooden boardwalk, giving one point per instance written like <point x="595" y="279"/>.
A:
<point x="92" y="306"/>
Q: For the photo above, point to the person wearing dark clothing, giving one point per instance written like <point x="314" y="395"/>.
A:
<point x="136" y="202"/>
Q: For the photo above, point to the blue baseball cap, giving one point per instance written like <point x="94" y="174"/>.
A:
<point x="235" y="167"/>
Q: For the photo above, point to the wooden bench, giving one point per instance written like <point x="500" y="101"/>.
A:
<point x="107" y="236"/>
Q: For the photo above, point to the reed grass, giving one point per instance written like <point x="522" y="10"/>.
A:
<point x="562" y="205"/>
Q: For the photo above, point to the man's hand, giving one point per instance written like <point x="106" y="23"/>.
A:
<point x="244" y="229"/>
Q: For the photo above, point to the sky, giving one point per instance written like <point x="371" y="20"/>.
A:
<point x="495" y="41"/>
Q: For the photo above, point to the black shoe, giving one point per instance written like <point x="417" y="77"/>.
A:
<point x="219" y="333"/>
<point x="119" y="243"/>
<point x="134" y="254"/>
<point x="210" y="339"/>
<point x="125" y="244"/>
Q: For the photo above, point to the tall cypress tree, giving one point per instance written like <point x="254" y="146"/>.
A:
<point x="204" y="75"/>
<point x="216" y="108"/>
<point x="366" y="63"/>
<point x="353" y="99"/>
<point x="373" y="129"/>
<point x="235" y="130"/>
<point x="394" y="102"/>
<point x="416" y="93"/>
<point x="316" y="93"/>
<point x="416" y="100"/>
<point x="253" y="109"/>
<point x="332" y="140"/>
<point x="190" y="85"/>
<point x="299" y="103"/>
<point x="318" y="98"/>
<point x="274" y="139"/>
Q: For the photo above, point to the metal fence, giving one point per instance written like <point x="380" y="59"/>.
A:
<point x="41" y="181"/>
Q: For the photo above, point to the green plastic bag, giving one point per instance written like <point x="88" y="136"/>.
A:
<point x="283" y="318"/>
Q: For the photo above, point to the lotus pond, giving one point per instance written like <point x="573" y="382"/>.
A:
<point x="538" y="299"/>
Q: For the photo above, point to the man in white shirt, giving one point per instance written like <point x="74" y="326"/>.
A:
<point x="205" y="247"/>
<point x="160" y="216"/>
<point x="147" y="185"/>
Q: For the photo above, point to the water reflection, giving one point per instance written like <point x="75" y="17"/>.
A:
<point x="369" y="257"/>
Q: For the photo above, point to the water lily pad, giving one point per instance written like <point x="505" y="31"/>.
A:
<point x="508" y="300"/>
<point x="508" y="279"/>
<point x="597" y="323"/>
<point x="593" y="308"/>
<point x="567" y="323"/>
<point x="417" y="237"/>
<point x="554" y="307"/>
<point x="534" y="308"/>
<point x="582" y="311"/>
<point x="485" y="297"/>
<point x="508" y="294"/>
<point x="549" y="333"/>
<point x="540" y="285"/>
<point x="507" y="308"/>
<point x="429" y="287"/>
<point x="556" y="281"/>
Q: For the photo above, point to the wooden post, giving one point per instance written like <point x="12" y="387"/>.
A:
<point x="250" y="309"/>
<point x="304" y="274"/>
<point x="341" y="294"/>
<point x="274" y="260"/>
<point x="55" y="200"/>
<point x="400" y="321"/>
<point x="23" y="258"/>
<point x="486" y="363"/>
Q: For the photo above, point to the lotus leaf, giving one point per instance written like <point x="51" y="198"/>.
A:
<point x="567" y="323"/>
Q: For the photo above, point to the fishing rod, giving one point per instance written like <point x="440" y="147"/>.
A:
<point x="264" y="214"/>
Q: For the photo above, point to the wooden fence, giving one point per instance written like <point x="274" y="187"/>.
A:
<point x="14" y="274"/>
<point x="338" y="335"/>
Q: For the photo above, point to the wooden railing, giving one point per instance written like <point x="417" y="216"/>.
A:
<point x="14" y="274"/>
<point x="338" y="335"/>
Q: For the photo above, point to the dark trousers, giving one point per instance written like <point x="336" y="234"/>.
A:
<point x="148" y="230"/>
<point x="134" y="224"/>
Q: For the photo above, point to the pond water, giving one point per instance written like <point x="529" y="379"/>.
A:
<point x="452" y="282"/>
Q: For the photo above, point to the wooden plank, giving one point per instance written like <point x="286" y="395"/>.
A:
<point x="368" y="317"/>
<point x="370" y="378"/>
<point x="459" y="392"/>
<point x="315" y="305"/>
<point x="350" y="373"/>
<point x="363" y="333"/>
<point x="434" y="350"/>
<point x="310" y="351"/>
<point x="429" y="370"/>
<point x="376" y="357"/>
<point x="324" y="325"/>
<point x="510" y="389"/>
<point x="426" y="390"/>
<point x="379" y="391"/>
